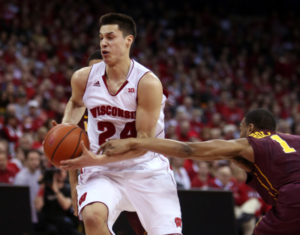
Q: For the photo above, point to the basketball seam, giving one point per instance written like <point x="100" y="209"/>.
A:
<point x="55" y="128"/>
<point x="61" y="142"/>
<point x="78" y="142"/>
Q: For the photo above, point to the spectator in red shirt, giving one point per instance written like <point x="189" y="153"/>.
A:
<point x="224" y="179"/>
<point x="40" y="136"/>
<point x="12" y="132"/>
<point x="246" y="201"/>
<point x="35" y="119"/>
<point x="203" y="177"/>
<point x="184" y="132"/>
<point x="248" y="204"/>
<point x="180" y="174"/>
<point x="191" y="168"/>
<point x="7" y="174"/>
<point x="19" y="159"/>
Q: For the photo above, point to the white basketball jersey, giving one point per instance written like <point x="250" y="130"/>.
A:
<point x="112" y="116"/>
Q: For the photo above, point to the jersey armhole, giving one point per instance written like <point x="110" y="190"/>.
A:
<point x="87" y="80"/>
<point x="137" y="87"/>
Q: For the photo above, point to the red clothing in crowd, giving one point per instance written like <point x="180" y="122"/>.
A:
<point x="8" y="175"/>
<point x="231" y="185"/>
<point x="198" y="183"/>
<point x="190" y="168"/>
<point x="13" y="167"/>
<point x="246" y="192"/>
<point x="12" y="134"/>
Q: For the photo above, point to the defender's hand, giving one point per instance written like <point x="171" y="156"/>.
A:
<point x="116" y="147"/>
<point x="53" y="123"/>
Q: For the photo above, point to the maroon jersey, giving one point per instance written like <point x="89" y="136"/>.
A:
<point x="83" y="122"/>
<point x="276" y="163"/>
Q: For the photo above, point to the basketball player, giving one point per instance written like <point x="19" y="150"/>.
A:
<point x="271" y="159"/>
<point x="132" y="217"/>
<point x="124" y="99"/>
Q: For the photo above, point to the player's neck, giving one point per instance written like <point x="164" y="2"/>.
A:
<point x="118" y="71"/>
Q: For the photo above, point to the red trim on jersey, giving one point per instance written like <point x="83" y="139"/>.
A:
<point x="87" y="80"/>
<point x="165" y="92"/>
<point x="137" y="92"/>
<point x="123" y="85"/>
<point x="82" y="198"/>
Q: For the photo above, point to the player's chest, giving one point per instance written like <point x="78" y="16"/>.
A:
<point x="113" y="87"/>
<point x="125" y="97"/>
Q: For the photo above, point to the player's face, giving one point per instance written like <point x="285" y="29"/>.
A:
<point x="33" y="161"/>
<point x="114" y="46"/>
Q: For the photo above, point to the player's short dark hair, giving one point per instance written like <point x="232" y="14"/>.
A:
<point x="262" y="119"/>
<point x="126" y="23"/>
<point x="96" y="55"/>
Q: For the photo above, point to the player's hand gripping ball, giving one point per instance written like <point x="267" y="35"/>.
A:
<point x="62" y="142"/>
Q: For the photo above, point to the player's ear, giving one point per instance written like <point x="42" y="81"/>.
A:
<point x="250" y="128"/>
<point x="129" y="40"/>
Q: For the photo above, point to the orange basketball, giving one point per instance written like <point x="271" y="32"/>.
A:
<point x="62" y="142"/>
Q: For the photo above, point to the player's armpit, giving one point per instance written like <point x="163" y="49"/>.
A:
<point x="243" y="163"/>
<point x="75" y="107"/>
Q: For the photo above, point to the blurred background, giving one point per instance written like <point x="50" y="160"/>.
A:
<point x="217" y="59"/>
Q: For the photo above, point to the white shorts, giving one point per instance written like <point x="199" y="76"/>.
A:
<point x="152" y="195"/>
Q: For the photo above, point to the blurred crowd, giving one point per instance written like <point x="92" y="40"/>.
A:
<point x="215" y="65"/>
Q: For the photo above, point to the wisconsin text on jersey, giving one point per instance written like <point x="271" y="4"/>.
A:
<point x="112" y="111"/>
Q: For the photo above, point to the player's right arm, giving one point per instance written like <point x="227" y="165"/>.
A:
<point x="73" y="113"/>
<point x="75" y="107"/>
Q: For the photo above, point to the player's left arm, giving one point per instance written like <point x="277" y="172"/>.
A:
<point x="207" y="150"/>
<point x="150" y="94"/>
<point x="215" y="149"/>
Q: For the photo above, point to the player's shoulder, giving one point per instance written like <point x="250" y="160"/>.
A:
<point x="147" y="78"/>
<point x="243" y="142"/>
<point x="139" y="66"/>
<point x="144" y="71"/>
<point x="150" y="81"/>
<point x="80" y="76"/>
<point x="82" y="73"/>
